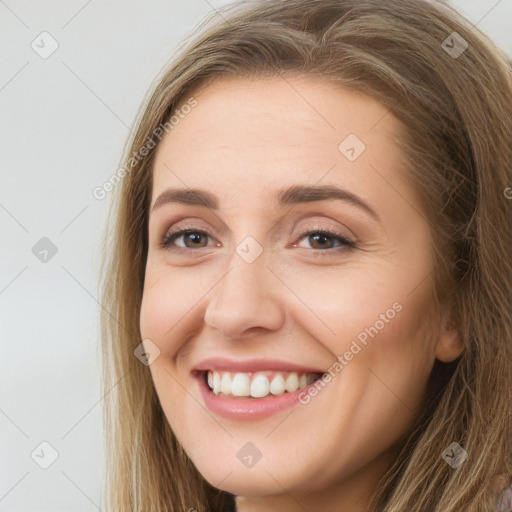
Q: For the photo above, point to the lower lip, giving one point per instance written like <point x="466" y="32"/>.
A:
<point x="239" y="408"/>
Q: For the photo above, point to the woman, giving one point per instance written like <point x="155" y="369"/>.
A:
<point x="307" y="294"/>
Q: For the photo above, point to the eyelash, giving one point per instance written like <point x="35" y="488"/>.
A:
<point x="345" y="242"/>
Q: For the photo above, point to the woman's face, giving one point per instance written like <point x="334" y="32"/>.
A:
<point x="257" y="298"/>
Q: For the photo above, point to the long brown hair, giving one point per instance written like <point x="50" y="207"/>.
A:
<point x="451" y="87"/>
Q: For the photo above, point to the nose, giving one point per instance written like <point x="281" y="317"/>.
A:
<point x="246" y="300"/>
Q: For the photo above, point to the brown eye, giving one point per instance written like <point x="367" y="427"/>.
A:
<point x="195" y="237"/>
<point x="322" y="240"/>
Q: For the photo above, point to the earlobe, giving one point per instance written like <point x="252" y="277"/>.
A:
<point x="449" y="345"/>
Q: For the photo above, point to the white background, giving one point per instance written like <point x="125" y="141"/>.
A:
<point x="63" y="122"/>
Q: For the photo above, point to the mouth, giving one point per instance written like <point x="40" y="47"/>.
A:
<point x="257" y="385"/>
<point x="252" y="395"/>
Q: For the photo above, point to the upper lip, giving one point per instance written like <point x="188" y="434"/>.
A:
<point x="252" y="365"/>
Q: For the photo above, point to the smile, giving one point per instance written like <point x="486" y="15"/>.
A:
<point x="252" y="389"/>
<point x="258" y="384"/>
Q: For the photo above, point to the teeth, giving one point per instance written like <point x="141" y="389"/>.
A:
<point x="260" y="387"/>
<point x="277" y="385"/>
<point x="225" y="384"/>
<point x="259" y="384"/>
<point x="241" y="385"/>
<point x="292" y="382"/>
<point x="216" y="383"/>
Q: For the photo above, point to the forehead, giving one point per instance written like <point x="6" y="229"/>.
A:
<point x="246" y="134"/>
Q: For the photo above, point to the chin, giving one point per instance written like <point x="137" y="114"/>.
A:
<point x="265" y="478"/>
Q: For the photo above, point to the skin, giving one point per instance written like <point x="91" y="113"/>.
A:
<point x="305" y="304"/>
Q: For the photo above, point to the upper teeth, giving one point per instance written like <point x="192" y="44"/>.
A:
<point x="259" y="384"/>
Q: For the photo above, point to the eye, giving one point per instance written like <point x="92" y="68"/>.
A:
<point x="197" y="237"/>
<point x="191" y="234"/>
<point x="321" y="237"/>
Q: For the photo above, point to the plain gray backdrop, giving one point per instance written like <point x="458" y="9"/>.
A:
<point x="64" y="119"/>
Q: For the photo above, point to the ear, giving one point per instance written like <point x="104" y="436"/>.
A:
<point x="449" y="345"/>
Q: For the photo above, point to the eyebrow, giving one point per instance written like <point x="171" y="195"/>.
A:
<point x="290" y="196"/>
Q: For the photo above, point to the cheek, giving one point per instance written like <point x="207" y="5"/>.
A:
<point x="375" y="323"/>
<point x="358" y="302"/>
<point x="395" y="358"/>
<point x="167" y="299"/>
<point x="155" y="309"/>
